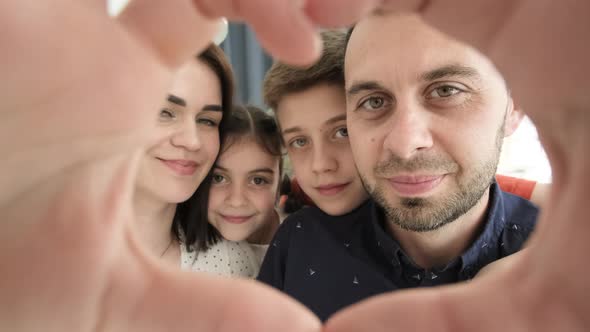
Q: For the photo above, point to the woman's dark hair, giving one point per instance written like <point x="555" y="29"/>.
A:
<point x="190" y="223"/>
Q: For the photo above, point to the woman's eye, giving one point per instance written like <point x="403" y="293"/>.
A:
<point x="207" y="122"/>
<point x="166" y="113"/>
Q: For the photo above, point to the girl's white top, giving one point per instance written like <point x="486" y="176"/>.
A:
<point x="225" y="258"/>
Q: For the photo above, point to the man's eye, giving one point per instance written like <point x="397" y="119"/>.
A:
<point x="373" y="103"/>
<point x="444" y="91"/>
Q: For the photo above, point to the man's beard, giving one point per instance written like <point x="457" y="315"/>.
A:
<point x="428" y="214"/>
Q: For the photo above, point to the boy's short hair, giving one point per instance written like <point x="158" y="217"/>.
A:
<point x="282" y="79"/>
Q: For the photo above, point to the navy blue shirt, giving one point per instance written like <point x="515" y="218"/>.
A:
<point x="329" y="262"/>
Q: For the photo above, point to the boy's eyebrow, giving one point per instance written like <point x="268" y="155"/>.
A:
<point x="292" y="130"/>
<point x="337" y="118"/>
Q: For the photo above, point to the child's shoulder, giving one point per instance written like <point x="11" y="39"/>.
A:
<point x="313" y="214"/>
<point x="305" y="215"/>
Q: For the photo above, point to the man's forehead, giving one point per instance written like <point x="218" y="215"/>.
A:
<point x="374" y="29"/>
<point x="404" y="46"/>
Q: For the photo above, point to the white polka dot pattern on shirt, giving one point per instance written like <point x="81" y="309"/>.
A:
<point x="225" y="258"/>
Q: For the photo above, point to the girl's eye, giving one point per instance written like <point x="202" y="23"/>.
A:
<point x="259" y="181"/>
<point x="217" y="178"/>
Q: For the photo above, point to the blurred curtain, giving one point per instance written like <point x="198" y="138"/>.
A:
<point x="249" y="62"/>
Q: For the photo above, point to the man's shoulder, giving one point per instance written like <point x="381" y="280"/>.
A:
<point x="520" y="219"/>
<point x="519" y="211"/>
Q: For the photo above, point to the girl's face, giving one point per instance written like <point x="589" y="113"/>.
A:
<point x="244" y="190"/>
<point x="173" y="169"/>
<point x="313" y="124"/>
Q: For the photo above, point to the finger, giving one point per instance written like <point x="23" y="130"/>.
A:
<point x="282" y="26"/>
<point x="231" y="9"/>
<point x="285" y="31"/>
<point x="339" y="13"/>
<point x="74" y="113"/>
<point x="404" y="5"/>
<point x="63" y="225"/>
<point x="99" y="5"/>
<point x="410" y="311"/>
<point x="459" y="308"/>
<point x="189" y="301"/>
<point x="475" y="22"/>
<point x="173" y="31"/>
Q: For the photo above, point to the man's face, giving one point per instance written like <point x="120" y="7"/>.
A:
<point x="426" y="117"/>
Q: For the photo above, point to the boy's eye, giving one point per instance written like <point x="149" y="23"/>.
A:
<point x="342" y="132"/>
<point x="298" y="143"/>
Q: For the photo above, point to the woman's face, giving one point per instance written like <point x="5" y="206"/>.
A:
<point x="244" y="190"/>
<point x="173" y="169"/>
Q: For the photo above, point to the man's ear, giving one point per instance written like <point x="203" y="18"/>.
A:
<point x="514" y="116"/>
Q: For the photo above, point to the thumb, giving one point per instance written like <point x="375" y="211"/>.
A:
<point x="158" y="299"/>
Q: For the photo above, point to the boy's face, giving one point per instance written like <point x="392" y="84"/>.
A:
<point x="313" y="124"/>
